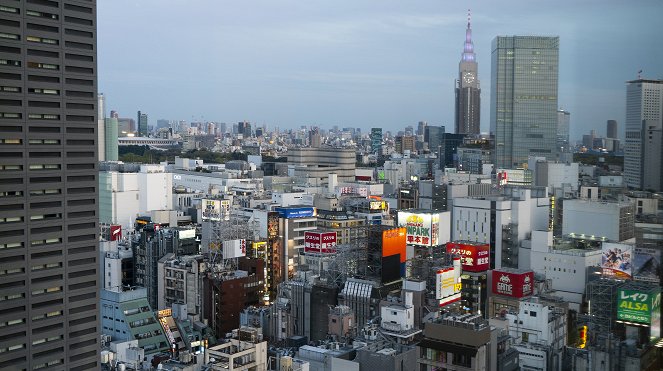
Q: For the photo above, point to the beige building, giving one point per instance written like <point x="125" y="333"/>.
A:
<point x="320" y="162"/>
<point x="246" y="350"/>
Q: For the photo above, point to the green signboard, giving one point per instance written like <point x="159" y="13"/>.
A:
<point x="656" y="317"/>
<point x="635" y="306"/>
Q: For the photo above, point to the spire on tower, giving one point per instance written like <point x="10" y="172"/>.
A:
<point x="468" y="50"/>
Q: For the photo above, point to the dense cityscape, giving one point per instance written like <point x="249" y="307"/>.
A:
<point x="130" y="242"/>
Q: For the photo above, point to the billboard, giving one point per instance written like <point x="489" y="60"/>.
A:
<point x="473" y="257"/>
<point x="393" y="242"/>
<point x="295" y="212"/>
<point x="378" y="205"/>
<point x="115" y="232"/>
<point x="617" y="260"/>
<point x="393" y="250"/>
<point x="636" y="305"/>
<point x="513" y="283"/>
<point x="448" y="284"/>
<point x="655" y="332"/>
<point x="187" y="233"/>
<point x="272" y="224"/>
<point x="647" y="265"/>
<point x="234" y="249"/>
<point x="215" y="210"/>
<point x="423" y="229"/>
<point x="320" y="242"/>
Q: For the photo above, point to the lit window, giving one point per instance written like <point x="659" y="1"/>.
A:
<point x="42" y="40"/>
<point x="9" y="36"/>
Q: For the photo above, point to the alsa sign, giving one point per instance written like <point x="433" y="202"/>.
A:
<point x="316" y="242"/>
<point x="635" y="306"/>
<point x="473" y="258"/>
<point x="513" y="284"/>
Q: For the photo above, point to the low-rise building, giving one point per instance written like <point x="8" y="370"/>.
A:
<point x="245" y="350"/>
<point x="459" y="343"/>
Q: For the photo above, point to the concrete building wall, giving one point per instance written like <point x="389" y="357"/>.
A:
<point x="50" y="186"/>
<point x="599" y="219"/>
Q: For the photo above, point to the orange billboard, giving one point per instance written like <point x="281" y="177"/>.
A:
<point x="393" y="242"/>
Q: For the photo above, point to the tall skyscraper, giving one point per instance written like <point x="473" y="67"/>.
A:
<point x="111" y="142"/>
<point x="611" y="129"/>
<point x="644" y="105"/>
<point x="523" y="99"/>
<point x="652" y="155"/>
<point x="468" y="91"/>
<point x="376" y="140"/>
<point x="433" y="135"/>
<point x="101" y="127"/>
<point x="563" y="130"/>
<point x="49" y="281"/>
<point x="142" y="124"/>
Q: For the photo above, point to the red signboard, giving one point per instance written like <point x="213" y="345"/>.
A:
<point x="320" y="242"/>
<point x="513" y="283"/>
<point x="115" y="232"/>
<point x="474" y="257"/>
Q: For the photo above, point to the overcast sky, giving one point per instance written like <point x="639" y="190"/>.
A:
<point x="354" y="63"/>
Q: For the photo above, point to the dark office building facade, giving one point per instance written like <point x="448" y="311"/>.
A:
<point x="49" y="296"/>
<point x="141" y="121"/>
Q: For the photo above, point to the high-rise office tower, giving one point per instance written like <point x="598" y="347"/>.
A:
<point x="433" y="135"/>
<point x="111" y="142"/>
<point x="611" y="129"/>
<point x="523" y="99"/>
<point x="563" y="130"/>
<point x="376" y="140"/>
<point x="468" y="91"/>
<point x="652" y="155"/>
<point x="49" y="281"/>
<point x="101" y="129"/>
<point x="142" y="124"/>
<point x="644" y="106"/>
<point x="421" y="127"/>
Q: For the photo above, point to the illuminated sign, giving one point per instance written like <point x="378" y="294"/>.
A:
<point x="295" y="212"/>
<point x="516" y="284"/>
<point x="448" y="284"/>
<point x="636" y="306"/>
<point x="165" y="313"/>
<point x="473" y="257"/>
<point x="317" y="242"/>
<point x="617" y="260"/>
<point x="423" y="229"/>
<point x="272" y="224"/>
<point x="582" y="337"/>
<point x="377" y="205"/>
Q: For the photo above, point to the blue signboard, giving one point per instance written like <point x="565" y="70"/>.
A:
<point x="295" y="212"/>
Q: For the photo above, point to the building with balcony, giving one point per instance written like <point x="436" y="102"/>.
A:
<point x="244" y="350"/>
<point x="179" y="280"/>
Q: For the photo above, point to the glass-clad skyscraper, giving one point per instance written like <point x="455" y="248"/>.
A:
<point x="524" y="98"/>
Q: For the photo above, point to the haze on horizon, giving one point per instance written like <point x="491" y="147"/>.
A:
<point x="358" y="64"/>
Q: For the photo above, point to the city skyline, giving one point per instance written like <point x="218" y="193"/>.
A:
<point x="294" y="69"/>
